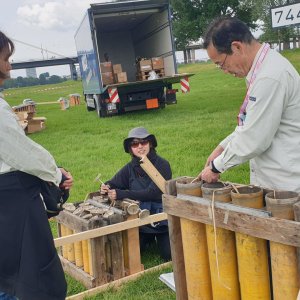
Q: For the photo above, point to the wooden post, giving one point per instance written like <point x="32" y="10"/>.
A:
<point x="131" y="248"/>
<point x="176" y="247"/>
<point x="177" y="257"/>
<point x="296" y="208"/>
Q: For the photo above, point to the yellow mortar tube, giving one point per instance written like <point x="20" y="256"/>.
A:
<point x="78" y="254"/>
<point x="223" y="269"/>
<point x="252" y="252"/>
<point x="196" y="260"/>
<point x="285" y="275"/>
<point x="85" y="256"/>
<point x="64" y="248"/>
<point x="70" y="247"/>
<point x="90" y="257"/>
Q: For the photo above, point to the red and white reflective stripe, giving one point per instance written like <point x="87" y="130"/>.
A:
<point x="185" y="86"/>
<point x="113" y="95"/>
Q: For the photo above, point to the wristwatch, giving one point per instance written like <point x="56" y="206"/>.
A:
<point x="213" y="168"/>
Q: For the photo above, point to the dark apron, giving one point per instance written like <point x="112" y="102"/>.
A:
<point x="29" y="265"/>
<point x="140" y="183"/>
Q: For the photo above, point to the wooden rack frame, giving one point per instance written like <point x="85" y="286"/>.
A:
<point x="254" y="222"/>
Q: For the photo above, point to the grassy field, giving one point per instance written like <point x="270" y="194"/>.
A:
<point x="186" y="134"/>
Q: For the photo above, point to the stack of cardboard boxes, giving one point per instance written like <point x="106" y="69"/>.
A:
<point x="74" y="99"/>
<point x="112" y="73"/>
<point x="146" y="66"/>
<point x="29" y="123"/>
<point x="119" y="75"/>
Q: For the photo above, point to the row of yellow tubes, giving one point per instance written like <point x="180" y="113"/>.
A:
<point x="240" y="270"/>
<point x="79" y="252"/>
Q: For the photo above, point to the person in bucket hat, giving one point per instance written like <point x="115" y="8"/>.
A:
<point x="132" y="182"/>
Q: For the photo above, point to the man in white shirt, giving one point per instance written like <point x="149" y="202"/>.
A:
<point x="268" y="131"/>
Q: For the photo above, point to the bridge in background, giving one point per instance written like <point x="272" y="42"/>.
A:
<point x="71" y="61"/>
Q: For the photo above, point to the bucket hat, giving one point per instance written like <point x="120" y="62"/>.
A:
<point x="139" y="133"/>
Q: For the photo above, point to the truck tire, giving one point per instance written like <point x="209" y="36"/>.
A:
<point x="88" y="108"/>
<point x="101" y="111"/>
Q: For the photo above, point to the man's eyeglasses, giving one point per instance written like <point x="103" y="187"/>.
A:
<point x="221" y="66"/>
<point x="135" y="143"/>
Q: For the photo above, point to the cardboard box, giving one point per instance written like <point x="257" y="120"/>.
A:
<point x="157" y="63"/>
<point x="107" y="78"/>
<point x="106" y="67"/>
<point x="117" y="68"/>
<point x="145" y="65"/>
<point x="121" y="77"/>
<point x="35" y="124"/>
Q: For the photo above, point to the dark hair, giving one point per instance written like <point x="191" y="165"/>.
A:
<point x="223" y="31"/>
<point x="5" y="44"/>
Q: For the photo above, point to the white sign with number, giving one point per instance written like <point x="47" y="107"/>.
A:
<point x="285" y="15"/>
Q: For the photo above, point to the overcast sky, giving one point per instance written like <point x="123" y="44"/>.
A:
<point x="46" y="24"/>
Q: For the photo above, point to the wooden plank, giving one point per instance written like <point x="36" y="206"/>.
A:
<point x="98" y="260"/>
<point x="72" y="221"/>
<point x="49" y="102"/>
<point x="109" y="229"/>
<point x="177" y="257"/>
<point x="117" y="260"/>
<point x="87" y="280"/>
<point x="235" y="218"/>
<point x="296" y="208"/>
<point x="131" y="249"/>
<point x="225" y="206"/>
<point x="269" y="228"/>
<point x="116" y="283"/>
<point x="153" y="173"/>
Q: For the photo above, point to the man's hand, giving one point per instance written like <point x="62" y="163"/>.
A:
<point x="218" y="150"/>
<point x="209" y="176"/>
<point x="68" y="183"/>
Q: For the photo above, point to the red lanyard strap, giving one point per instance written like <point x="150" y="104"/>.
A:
<point x="242" y="113"/>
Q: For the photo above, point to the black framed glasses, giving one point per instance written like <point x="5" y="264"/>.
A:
<point x="135" y="143"/>
<point x="221" y="65"/>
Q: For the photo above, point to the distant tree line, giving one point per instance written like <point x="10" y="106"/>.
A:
<point x="44" y="78"/>
<point x="191" y="18"/>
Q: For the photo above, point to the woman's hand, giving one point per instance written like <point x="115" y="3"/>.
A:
<point x="68" y="183"/>
<point x="112" y="195"/>
<point x="104" y="189"/>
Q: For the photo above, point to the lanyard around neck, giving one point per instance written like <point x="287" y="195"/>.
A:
<point x="242" y="113"/>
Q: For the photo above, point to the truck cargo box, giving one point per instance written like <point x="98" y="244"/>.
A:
<point x="137" y="37"/>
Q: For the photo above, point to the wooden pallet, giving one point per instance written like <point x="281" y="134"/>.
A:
<point x="146" y="75"/>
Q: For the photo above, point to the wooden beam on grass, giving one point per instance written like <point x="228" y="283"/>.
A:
<point x="49" y="102"/>
<point x="101" y="231"/>
<point x="116" y="283"/>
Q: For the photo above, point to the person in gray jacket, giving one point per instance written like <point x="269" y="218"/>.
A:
<point x="30" y="268"/>
<point x="268" y="131"/>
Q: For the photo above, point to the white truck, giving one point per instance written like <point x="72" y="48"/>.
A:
<point x="123" y="33"/>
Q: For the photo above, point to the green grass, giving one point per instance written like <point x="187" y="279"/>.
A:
<point x="186" y="132"/>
